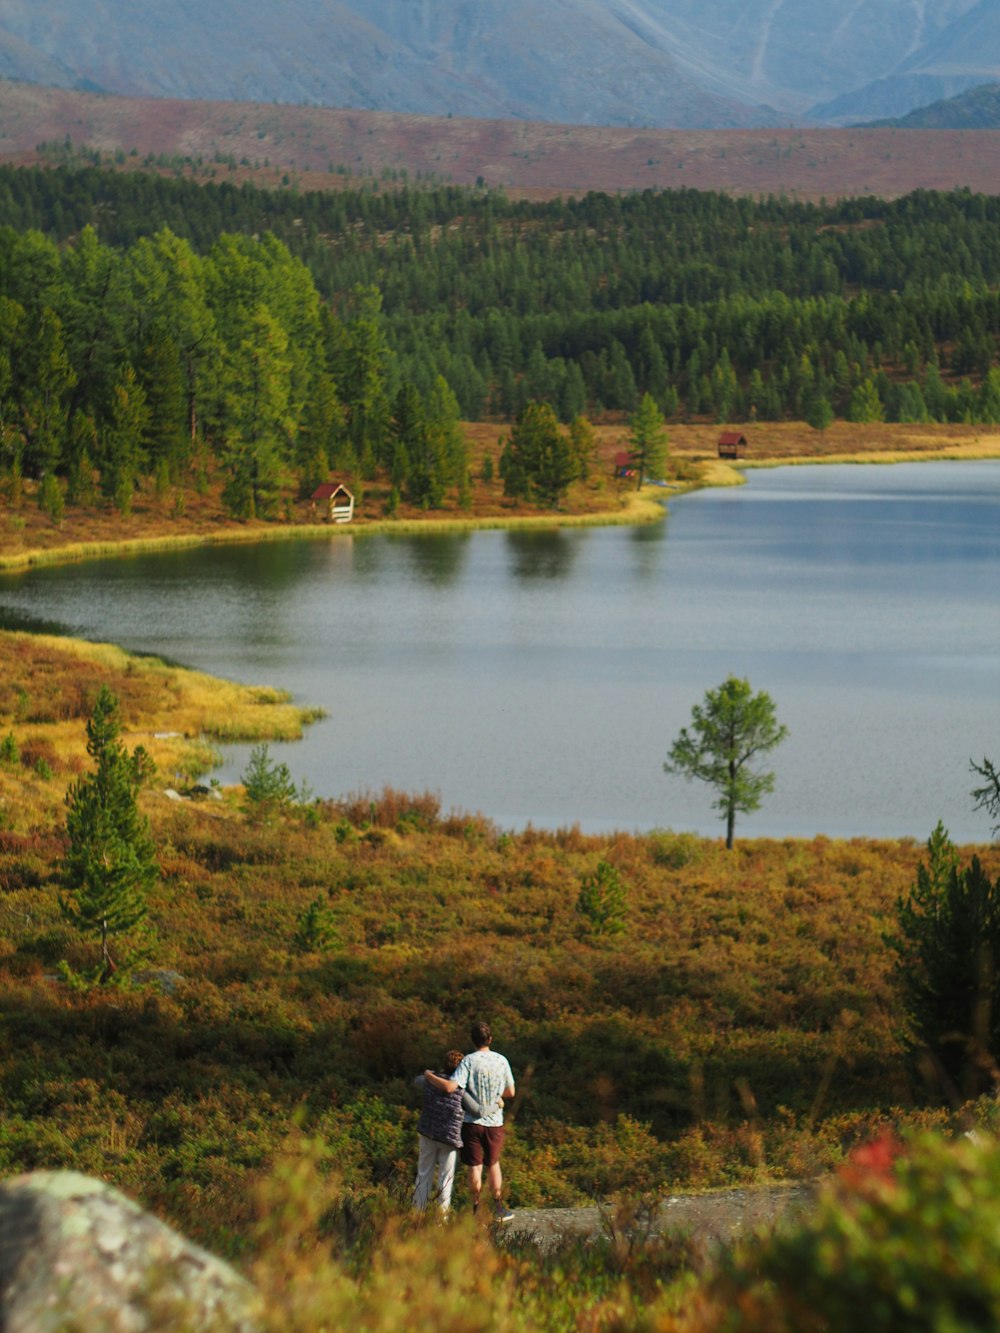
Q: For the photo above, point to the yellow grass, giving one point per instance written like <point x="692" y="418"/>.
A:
<point x="958" y="452"/>
<point x="48" y="686"/>
<point x="718" y="473"/>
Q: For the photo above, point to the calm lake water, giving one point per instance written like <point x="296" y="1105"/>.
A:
<point x="542" y="676"/>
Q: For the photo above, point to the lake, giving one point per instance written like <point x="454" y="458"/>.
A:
<point x="542" y="676"/>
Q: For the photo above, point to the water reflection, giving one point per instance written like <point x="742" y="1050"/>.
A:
<point x="545" y="555"/>
<point x="648" y="544"/>
<point x="438" y="558"/>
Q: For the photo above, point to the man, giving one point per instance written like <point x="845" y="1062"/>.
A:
<point x="487" y="1076"/>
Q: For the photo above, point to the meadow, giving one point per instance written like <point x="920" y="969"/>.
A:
<point x="743" y="1027"/>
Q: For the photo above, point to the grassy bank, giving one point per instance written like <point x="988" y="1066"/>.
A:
<point x="48" y="688"/>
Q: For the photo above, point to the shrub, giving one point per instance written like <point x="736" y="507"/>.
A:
<point x="894" y="1242"/>
<point x="673" y="850"/>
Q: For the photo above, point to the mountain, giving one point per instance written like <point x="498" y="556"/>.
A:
<point x="977" y="109"/>
<point x="577" y="61"/>
<point x="964" y="54"/>
<point x="655" y="63"/>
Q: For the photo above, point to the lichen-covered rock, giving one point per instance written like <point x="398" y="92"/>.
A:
<point x="77" y="1256"/>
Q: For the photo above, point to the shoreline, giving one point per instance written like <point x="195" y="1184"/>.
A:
<point x="635" y="508"/>
<point x="639" y="507"/>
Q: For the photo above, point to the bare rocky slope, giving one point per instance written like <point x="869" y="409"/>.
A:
<point x="645" y="63"/>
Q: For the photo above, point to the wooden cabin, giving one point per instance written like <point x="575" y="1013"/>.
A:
<point x="624" y="464"/>
<point x="732" y="444"/>
<point x="334" y="500"/>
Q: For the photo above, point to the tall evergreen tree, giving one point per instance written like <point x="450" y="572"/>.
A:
<point x="362" y="380"/>
<point x="648" y="441"/>
<point x="121" y="458"/>
<point x="258" y="427"/>
<point x="538" y="460"/>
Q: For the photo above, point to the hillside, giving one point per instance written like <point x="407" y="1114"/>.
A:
<point x="319" y="148"/>
<point x="965" y="54"/>
<point x="711" y="64"/>
<point x="977" y="109"/>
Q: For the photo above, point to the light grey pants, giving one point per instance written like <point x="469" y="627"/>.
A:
<point x="439" y="1157"/>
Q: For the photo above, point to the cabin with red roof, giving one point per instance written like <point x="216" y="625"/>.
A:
<point x="624" y="464"/>
<point x="732" y="444"/>
<point x="334" y="500"/>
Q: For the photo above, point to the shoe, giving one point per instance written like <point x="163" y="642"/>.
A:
<point x="503" y="1213"/>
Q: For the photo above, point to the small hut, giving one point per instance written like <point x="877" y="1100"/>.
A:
<point x="624" y="464"/>
<point x="732" y="444"/>
<point x="335" y="501"/>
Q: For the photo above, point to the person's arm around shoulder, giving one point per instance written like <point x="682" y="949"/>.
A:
<point x="442" y="1084"/>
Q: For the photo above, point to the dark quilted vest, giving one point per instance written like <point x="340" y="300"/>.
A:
<point x="441" y="1118"/>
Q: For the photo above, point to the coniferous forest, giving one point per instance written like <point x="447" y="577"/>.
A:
<point x="149" y="323"/>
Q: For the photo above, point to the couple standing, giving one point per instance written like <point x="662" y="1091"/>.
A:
<point x="463" y="1110"/>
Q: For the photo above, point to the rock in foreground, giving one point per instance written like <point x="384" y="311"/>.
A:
<point x="77" y="1254"/>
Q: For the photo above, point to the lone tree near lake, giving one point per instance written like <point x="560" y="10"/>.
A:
<point x="110" y="862"/>
<point x="728" y="729"/>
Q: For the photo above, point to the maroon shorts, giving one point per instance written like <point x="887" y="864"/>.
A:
<point x="481" y="1144"/>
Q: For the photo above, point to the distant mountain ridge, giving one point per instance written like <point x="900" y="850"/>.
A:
<point x="977" y="109"/>
<point x="645" y="63"/>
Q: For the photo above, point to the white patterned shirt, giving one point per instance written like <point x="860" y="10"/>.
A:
<point x="486" y="1074"/>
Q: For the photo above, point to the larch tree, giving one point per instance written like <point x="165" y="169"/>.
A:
<point x="728" y="729"/>
<point x="648" y="441"/>
<point x="258" y="427"/>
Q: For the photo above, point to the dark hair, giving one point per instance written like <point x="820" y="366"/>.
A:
<point x="481" y="1034"/>
<point x="452" y="1059"/>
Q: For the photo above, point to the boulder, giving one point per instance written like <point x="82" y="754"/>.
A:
<point x="77" y="1254"/>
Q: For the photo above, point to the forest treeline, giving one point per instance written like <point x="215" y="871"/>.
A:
<point x="155" y="361"/>
<point x="352" y="328"/>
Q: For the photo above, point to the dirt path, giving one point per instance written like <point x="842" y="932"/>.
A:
<point x="717" y="1217"/>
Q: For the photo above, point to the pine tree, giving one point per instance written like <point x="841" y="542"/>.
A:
<point x="110" y="863"/>
<point x="947" y="946"/>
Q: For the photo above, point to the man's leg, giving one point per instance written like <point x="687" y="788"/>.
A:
<point x="476" y="1183"/>
<point x="495" y="1178"/>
